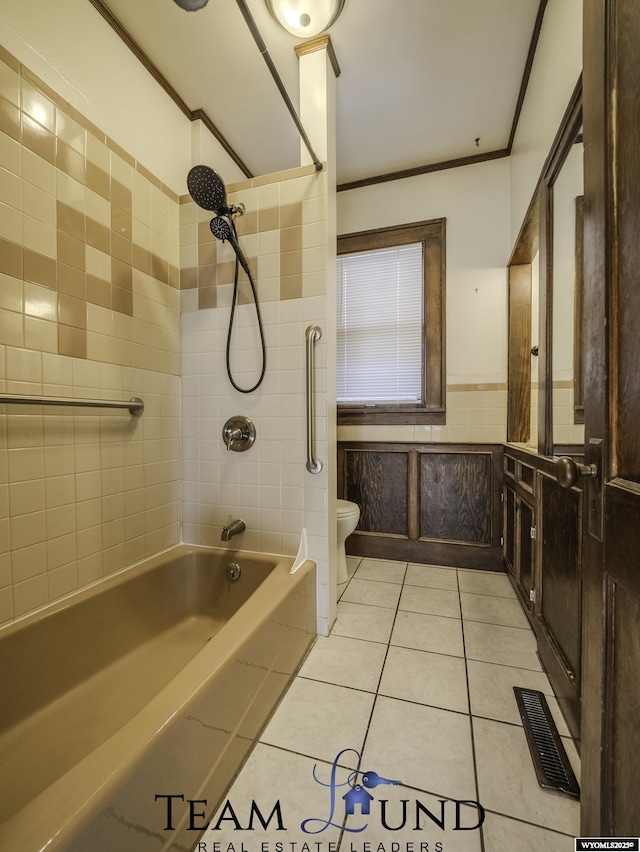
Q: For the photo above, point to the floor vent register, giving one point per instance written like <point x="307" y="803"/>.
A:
<point x="549" y="757"/>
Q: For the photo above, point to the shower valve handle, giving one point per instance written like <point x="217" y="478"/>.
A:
<point x="239" y="433"/>
<point x="232" y="436"/>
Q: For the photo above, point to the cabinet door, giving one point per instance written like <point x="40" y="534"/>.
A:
<point x="509" y="534"/>
<point x="526" y="526"/>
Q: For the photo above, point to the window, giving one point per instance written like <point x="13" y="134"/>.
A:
<point x="390" y="317"/>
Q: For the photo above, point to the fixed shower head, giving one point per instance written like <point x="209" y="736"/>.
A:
<point x="222" y="228"/>
<point x="191" y="5"/>
<point x="207" y="189"/>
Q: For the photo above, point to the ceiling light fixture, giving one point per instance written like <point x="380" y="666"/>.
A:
<point x="191" y="5"/>
<point x="305" y="18"/>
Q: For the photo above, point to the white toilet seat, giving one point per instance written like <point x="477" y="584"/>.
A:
<point x="346" y="509"/>
<point x="347" y="517"/>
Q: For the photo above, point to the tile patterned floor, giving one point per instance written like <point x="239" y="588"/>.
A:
<point x="415" y="681"/>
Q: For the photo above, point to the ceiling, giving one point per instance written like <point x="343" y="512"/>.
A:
<point x="420" y="81"/>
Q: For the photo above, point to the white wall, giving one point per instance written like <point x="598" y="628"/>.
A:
<point x="555" y="72"/>
<point x="475" y="201"/>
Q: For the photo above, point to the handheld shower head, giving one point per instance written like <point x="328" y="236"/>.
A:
<point x="207" y="189"/>
<point x="223" y="229"/>
<point x="220" y="228"/>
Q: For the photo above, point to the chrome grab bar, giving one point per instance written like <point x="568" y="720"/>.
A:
<point x="312" y="334"/>
<point x="135" y="404"/>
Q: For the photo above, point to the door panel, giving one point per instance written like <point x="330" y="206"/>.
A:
<point x="561" y="570"/>
<point x="622" y="689"/>
<point x="621" y="803"/>
<point x="611" y="603"/>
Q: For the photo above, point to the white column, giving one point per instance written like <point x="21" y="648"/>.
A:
<point x="318" y="72"/>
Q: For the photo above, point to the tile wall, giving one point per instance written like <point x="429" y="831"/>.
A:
<point x="283" y="235"/>
<point x="476" y="414"/>
<point x="565" y="431"/>
<point x="89" y="307"/>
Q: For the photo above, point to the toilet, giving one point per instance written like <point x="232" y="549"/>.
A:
<point x="348" y="515"/>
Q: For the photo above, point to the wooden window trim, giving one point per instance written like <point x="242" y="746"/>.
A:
<point x="432" y="409"/>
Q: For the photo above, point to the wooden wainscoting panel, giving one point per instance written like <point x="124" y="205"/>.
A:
<point x="427" y="503"/>
<point x="455" y="497"/>
<point x="378" y="483"/>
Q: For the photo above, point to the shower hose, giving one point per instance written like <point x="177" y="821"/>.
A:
<point x="234" y="302"/>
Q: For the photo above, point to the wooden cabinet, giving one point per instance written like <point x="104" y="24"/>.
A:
<point x="520" y="527"/>
<point x="542" y="551"/>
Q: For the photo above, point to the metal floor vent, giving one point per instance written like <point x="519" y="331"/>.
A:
<point x="547" y="752"/>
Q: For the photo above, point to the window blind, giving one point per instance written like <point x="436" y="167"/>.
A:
<point x="380" y="319"/>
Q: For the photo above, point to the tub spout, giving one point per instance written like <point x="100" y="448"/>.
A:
<point x="234" y="528"/>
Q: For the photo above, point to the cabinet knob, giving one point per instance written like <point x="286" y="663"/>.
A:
<point x="568" y="471"/>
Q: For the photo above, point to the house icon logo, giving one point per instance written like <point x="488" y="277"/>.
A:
<point x="357" y="796"/>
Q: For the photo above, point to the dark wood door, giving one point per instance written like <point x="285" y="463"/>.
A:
<point x="611" y="598"/>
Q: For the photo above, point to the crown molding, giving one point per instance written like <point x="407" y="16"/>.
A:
<point x="319" y="43"/>
<point x="161" y="80"/>
<point x="424" y="170"/>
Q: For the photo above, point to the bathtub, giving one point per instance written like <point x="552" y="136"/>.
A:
<point x="154" y="682"/>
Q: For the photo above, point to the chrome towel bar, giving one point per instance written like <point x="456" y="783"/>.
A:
<point x="312" y="334"/>
<point x="135" y="404"/>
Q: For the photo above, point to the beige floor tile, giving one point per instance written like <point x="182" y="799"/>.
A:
<point x="419" y="733"/>
<point x="485" y="583"/>
<point x="319" y="719"/>
<point x="432" y="576"/>
<point x="491" y="689"/>
<point x="428" y="633"/>
<point x="272" y="775"/>
<point x="372" y="593"/>
<point x="502" y="834"/>
<point x="507" y="780"/>
<point x="423" y="747"/>
<point x="433" y="679"/>
<point x="381" y="569"/>
<point x="352" y="565"/>
<point x="345" y="662"/>
<point x="494" y="610"/>
<point x="508" y="646"/>
<point x="574" y="757"/>
<point x="363" y="622"/>
<point x="430" y="601"/>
